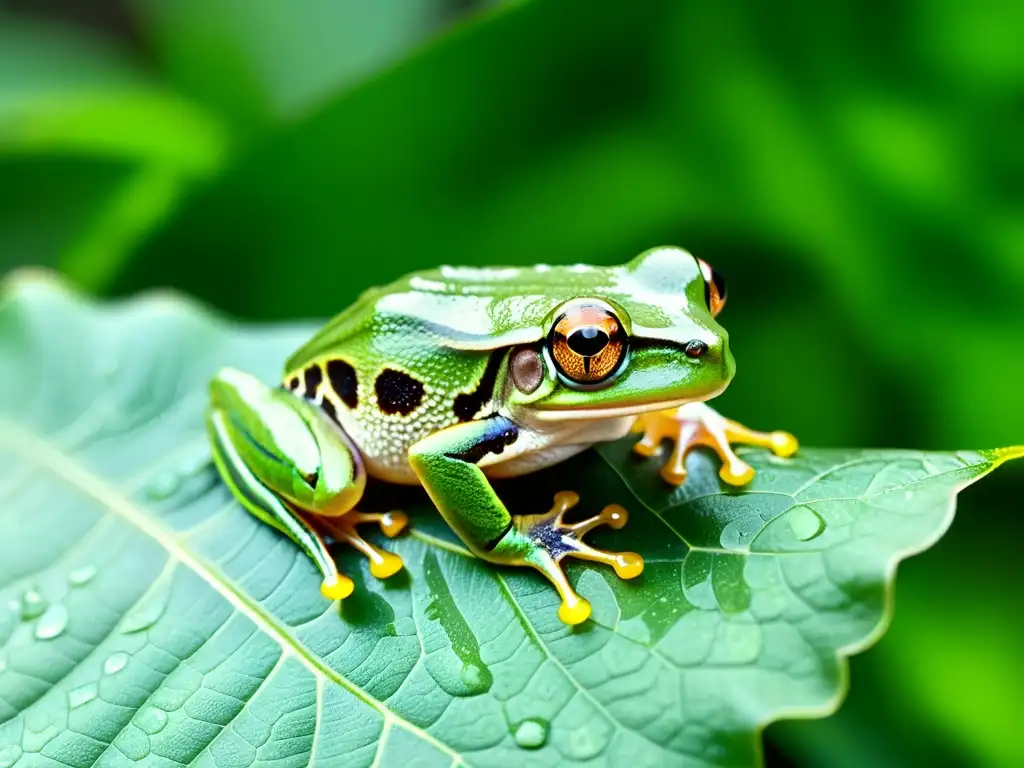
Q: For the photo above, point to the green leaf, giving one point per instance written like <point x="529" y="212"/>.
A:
<point x="260" y="62"/>
<point x="62" y="92"/>
<point x="146" y="617"/>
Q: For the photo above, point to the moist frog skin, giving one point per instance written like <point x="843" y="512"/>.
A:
<point x="449" y="377"/>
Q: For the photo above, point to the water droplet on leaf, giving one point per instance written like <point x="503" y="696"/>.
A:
<point x="115" y="663"/>
<point x="52" y="622"/>
<point x="149" y="611"/>
<point x="133" y="743"/>
<point x="151" y="719"/>
<point x="531" y="734"/>
<point x="32" y="604"/>
<point x="473" y="677"/>
<point x="82" y="575"/>
<point x="164" y="486"/>
<point x="82" y="695"/>
<point x="805" y="523"/>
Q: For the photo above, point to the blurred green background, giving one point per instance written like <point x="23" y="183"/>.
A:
<point x="856" y="170"/>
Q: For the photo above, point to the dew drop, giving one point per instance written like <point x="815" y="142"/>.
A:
<point x="531" y="734"/>
<point x="472" y="676"/>
<point x="151" y="719"/>
<point x="52" y="622"/>
<point x="134" y="744"/>
<point x="82" y="575"/>
<point x="9" y="755"/>
<point x="115" y="663"/>
<point x="805" y="523"/>
<point x="149" y="611"/>
<point x="164" y="486"/>
<point x="82" y="695"/>
<point x="31" y="605"/>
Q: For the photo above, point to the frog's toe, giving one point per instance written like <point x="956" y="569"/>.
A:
<point x="391" y="523"/>
<point x="338" y="588"/>
<point x="554" y="540"/>
<point x="694" y="425"/>
<point x="383" y="564"/>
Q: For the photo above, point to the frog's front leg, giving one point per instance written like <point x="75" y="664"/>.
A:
<point x="696" y="424"/>
<point x="294" y="470"/>
<point x="446" y="464"/>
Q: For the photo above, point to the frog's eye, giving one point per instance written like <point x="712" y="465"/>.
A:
<point x="587" y="344"/>
<point x="714" y="287"/>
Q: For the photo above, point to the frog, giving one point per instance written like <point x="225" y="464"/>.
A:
<point x="453" y="377"/>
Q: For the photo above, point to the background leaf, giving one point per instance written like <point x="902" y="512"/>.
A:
<point x="82" y="181"/>
<point x="260" y="63"/>
<point x="148" y="617"/>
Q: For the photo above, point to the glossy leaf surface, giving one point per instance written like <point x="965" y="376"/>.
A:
<point x="145" y="617"/>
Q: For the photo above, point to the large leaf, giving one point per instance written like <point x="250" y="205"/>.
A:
<point x="149" y="618"/>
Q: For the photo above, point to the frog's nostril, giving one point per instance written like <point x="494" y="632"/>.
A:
<point x="695" y="348"/>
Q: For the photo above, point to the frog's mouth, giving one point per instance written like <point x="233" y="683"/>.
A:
<point x="613" y="412"/>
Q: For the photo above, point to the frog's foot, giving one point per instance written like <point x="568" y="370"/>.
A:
<point x="695" y="424"/>
<point x="343" y="529"/>
<point x="542" y="541"/>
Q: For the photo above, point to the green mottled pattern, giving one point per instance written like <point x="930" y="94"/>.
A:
<point x="146" y="618"/>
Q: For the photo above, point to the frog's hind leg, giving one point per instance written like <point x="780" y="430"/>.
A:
<point x="269" y="508"/>
<point x="343" y="529"/>
<point x="559" y="540"/>
<point x="696" y="424"/>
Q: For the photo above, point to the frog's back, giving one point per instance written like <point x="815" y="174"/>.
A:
<point x="463" y="308"/>
<point x="423" y="353"/>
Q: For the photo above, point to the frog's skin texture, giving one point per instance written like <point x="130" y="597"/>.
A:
<point x="451" y="376"/>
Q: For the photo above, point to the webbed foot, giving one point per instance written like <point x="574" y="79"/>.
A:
<point x="343" y="529"/>
<point x="695" y="424"/>
<point x="543" y="541"/>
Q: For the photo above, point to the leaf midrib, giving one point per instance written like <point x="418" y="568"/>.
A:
<point x="51" y="458"/>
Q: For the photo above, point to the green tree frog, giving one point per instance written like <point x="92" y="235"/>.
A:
<point x="450" y="377"/>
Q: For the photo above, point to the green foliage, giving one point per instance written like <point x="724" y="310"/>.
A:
<point x="148" y="616"/>
<point x="81" y="183"/>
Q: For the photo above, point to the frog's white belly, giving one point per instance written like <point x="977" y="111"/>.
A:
<point x="533" y="450"/>
<point x="537" y="450"/>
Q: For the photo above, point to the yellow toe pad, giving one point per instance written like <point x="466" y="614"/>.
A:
<point x="388" y="565"/>
<point x="339" y="590"/>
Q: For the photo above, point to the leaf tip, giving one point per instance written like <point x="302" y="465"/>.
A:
<point x="1001" y="455"/>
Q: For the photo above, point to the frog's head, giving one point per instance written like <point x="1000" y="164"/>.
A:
<point x="643" y="337"/>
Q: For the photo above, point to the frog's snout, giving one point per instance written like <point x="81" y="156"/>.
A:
<point x="712" y="353"/>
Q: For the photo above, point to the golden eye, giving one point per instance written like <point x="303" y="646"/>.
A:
<point x="587" y="344"/>
<point x="714" y="287"/>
